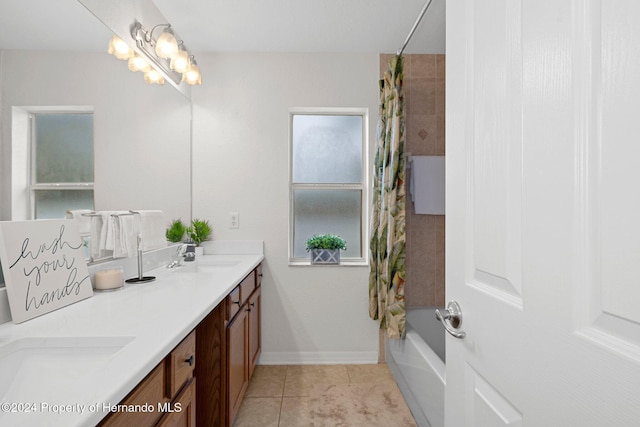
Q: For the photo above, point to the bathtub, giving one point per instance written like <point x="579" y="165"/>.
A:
<point x="417" y="364"/>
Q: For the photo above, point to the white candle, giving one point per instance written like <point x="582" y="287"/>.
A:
<point x="109" y="279"/>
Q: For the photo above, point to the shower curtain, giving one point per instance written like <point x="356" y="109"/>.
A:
<point x="387" y="246"/>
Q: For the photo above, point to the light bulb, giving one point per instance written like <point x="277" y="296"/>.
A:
<point x="180" y="61"/>
<point x="166" y="45"/>
<point x="153" y="76"/>
<point x="192" y="76"/>
<point x="138" y="63"/>
<point x="118" y="48"/>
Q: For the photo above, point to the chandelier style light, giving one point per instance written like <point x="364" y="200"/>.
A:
<point x="160" y="58"/>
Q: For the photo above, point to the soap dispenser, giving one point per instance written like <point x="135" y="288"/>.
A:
<point x="190" y="251"/>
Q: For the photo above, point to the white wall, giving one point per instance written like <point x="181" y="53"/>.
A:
<point x="310" y="314"/>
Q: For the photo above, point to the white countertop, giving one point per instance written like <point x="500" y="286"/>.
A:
<point x="149" y="319"/>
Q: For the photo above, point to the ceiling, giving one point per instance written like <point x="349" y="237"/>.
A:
<point x="347" y="26"/>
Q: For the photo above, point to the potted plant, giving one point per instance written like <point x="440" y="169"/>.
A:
<point x="325" y="248"/>
<point x="176" y="231"/>
<point x="198" y="232"/>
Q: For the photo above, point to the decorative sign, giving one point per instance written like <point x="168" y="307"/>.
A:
<point x="44" y="266"/>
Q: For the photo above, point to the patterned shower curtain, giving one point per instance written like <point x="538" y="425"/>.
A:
<point x="387" y="246"/>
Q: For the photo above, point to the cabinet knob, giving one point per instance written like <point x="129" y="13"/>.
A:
<point x="237" y="302"/>
<point x="189" y="360"/>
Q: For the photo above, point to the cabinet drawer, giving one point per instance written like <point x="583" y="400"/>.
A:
<point x="233" y="303"/>
<point x="247" y="286"/>
<point x="182" y="362"/>
<point x="150" y="391"/>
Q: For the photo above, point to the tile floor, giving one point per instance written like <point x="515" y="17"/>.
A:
<point x="323" y="395"/>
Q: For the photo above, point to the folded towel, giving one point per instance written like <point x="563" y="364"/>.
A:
<point x="109" y="228"/>
<point x="83" y="219"/>
<point x="98" y="232"/>
<point x="152" y="229"/>
<point x="125" y="236"/>
<point x="101" y="229"/>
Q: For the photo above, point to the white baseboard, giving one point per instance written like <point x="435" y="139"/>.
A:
<point x="319" y="358"/>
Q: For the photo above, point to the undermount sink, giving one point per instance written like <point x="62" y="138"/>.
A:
<point x="31" y="367"/>
<point x="219" y="262"/>
<point x="206" y="265"/>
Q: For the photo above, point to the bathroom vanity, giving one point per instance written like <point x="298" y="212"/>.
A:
<point x="175" y="352"/>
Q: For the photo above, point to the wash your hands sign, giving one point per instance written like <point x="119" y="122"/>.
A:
<point x="44" y="266"/>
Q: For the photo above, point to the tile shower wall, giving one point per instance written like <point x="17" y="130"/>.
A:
<point x="424" y="85"/>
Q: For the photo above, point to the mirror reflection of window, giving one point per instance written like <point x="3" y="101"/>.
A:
<point x="61" y="163"/>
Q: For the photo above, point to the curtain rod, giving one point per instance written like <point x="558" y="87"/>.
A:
<point x="415" y="26"/>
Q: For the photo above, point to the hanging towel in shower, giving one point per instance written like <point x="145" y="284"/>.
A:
<point x="427" y="184"/>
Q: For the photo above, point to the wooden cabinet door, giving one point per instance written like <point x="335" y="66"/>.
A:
<point x="237" y="368"/>
<point x="183" y="409"/>
<point x="254" y="329"/>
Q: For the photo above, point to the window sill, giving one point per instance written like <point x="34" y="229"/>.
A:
<point x="307" y="263"/>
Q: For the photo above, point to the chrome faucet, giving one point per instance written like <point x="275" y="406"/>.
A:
<point x="182" y="254"/>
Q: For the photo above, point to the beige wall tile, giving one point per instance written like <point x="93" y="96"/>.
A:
<point x="424" y="84"/>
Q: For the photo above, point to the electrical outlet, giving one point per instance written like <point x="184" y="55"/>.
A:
<point x="234" y="220"/>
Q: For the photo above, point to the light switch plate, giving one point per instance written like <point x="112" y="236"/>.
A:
<point x="234" y="220"/>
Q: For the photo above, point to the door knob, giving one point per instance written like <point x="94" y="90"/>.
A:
<point x="451" y="319"/>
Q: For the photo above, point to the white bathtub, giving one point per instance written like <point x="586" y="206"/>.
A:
<point x="417" y="367"/>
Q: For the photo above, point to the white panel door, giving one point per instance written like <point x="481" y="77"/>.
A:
<point x="543" y="212"/>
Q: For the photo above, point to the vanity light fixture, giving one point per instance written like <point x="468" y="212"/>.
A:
<point x="164" y="57"/>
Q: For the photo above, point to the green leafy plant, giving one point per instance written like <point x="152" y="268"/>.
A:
<point x="199" y="231"/>
<point x="326" y="241"/>
<point x="176" y="231"/>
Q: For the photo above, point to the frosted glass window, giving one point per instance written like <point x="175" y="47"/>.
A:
<point x="50" y="204"/>
<point x="328" y="212"/>
<point x="64" y="148"/>
<point x="61" y="163"/>
<point x="327" y="180"/>
<point x="327" y="149"/>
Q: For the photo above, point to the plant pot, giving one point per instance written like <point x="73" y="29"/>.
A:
<point x="199" y="251"/>
<point x="325" y="256"/>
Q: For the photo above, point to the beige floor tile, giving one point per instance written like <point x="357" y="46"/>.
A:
<point x="370" y="405"/>
<point x="295" y="412"/>
<point x="259" y="411"/>
<point x="324" y="396"/>
<point x="267" y="381"/>
<point x="359" y="374"/>
<point x="301" y="378"/>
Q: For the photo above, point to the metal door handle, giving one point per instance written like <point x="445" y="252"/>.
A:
<point x="452" y="319"/>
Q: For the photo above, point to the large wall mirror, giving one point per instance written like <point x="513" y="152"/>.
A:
<point x="142" y="133"/>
